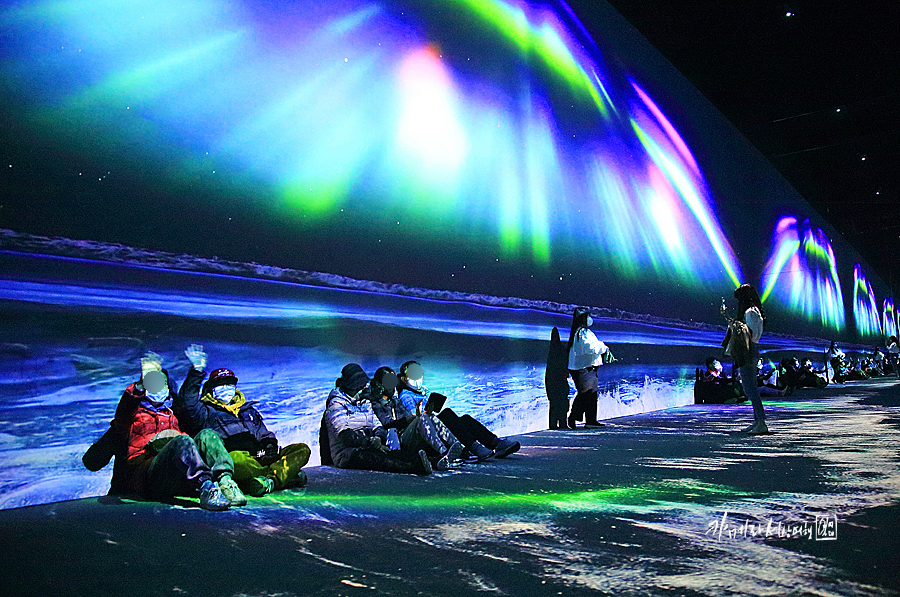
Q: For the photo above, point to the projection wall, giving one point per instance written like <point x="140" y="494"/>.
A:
<point x="297" y="185"/>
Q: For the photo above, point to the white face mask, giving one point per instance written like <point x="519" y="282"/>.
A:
<point x="224" y="394"/>
<point x="717" y="366"/>
<point x="416" y="384"/>
<point x="157" y="398"/>
<point x="590" y="321"/>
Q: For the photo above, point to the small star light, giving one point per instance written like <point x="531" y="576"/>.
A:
<point x="789" y="14"/>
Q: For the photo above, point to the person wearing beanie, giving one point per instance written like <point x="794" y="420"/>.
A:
<point x="260" y="467"/>
<point x="351" y="435"/>
<point x="479" y="441"/>
<point x="153" y="457"/>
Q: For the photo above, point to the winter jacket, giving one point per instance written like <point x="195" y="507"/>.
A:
<point x="391" y="412"/>
<point x="350" y="423"/>
<point x="587" y="350"/>
<point x="132" y="427"/>
<point x="246" y="431"/>
<point x="408" y="397"/>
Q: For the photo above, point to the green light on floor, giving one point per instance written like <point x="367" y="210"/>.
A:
<point x="668" y="492"/>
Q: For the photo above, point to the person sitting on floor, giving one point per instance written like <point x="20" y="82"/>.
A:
<point x="260" y="467"/>
<point x="856" y="373"/>
<point x="479" y="441"/>
<point x="153" y="457"/>
<point x="870" y="368"/>
<point x="765" y="386"/>
<point x="878" y="359"/>
<point x="351" y="435"/>
<point x="789" y="375"/>
<point x="765" y="373"/>
<point x="415" y="432"/>
<point x="810" y="377"/>
<point x="712" y="386"/>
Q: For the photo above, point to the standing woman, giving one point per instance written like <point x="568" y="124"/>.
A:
<point x="750" y="311"/>
<point x="585" y="355"/>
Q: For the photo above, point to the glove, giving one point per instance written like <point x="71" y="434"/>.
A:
<point x="375" y="444"/>
<point x="196" y="356"/>
<point x="150" y="362"/>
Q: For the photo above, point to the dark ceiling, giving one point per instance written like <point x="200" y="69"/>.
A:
<point x="815" y="87"/>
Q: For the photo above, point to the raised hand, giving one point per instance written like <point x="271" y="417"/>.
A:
<point x="150" y="362"/>
<point x="196" y="356"/>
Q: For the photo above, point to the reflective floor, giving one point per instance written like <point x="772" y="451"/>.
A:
<point x="669" y="503"/>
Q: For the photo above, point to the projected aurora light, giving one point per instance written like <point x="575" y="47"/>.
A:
<point x="802" y="273"/>
<point x="518" y="139"/>
<point x="305" y="183"/>
<point x="889" y="317"/>
<point x="865" y="307"/>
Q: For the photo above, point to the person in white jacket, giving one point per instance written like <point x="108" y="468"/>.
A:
<point x="586" y="354"/>
<point x="893" y="350"/>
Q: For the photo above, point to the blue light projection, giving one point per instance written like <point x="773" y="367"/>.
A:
<point x="519" y="142"/>
<point x="889" y="317"/>
<point x="802" y="275"/>
<point x="865" y="307"/>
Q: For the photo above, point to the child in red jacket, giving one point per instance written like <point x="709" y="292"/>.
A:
<point x="153" y="458"/>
